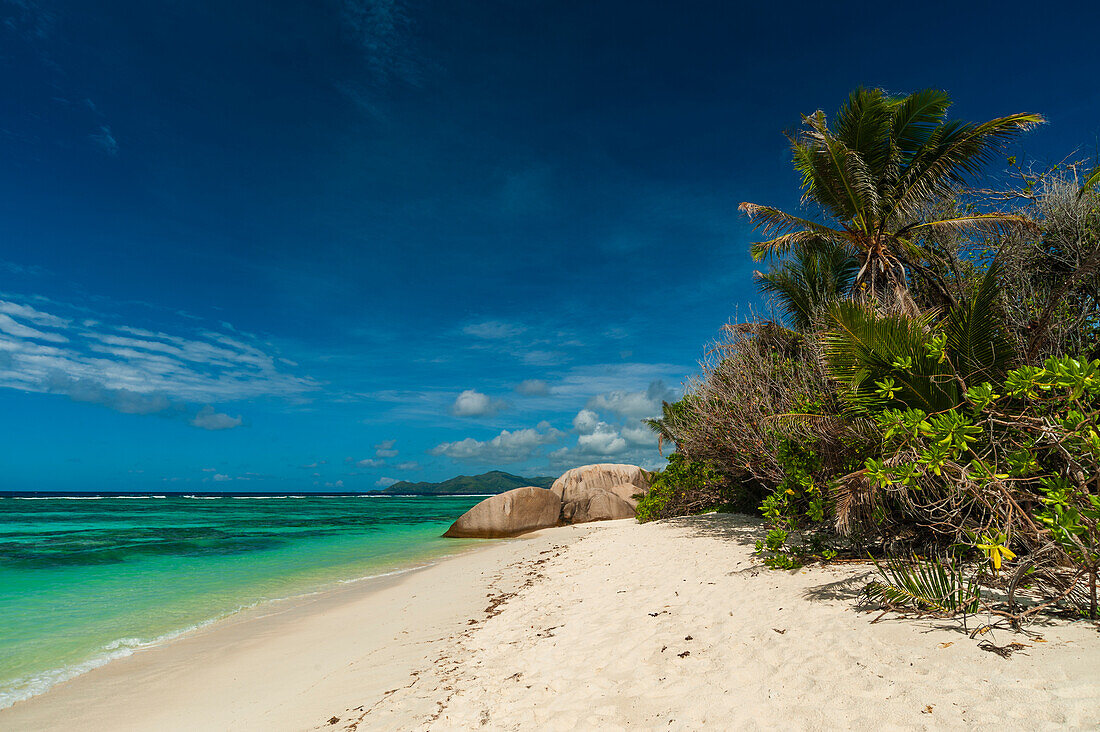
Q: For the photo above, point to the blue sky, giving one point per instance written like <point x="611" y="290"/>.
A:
<point x="316" y="245"/>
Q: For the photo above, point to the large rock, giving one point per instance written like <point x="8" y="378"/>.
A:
<point x="578" y="486"/>
<point x="508" y="514"/>
<point x="601" y="506"/>
<point x="580" y="483"/>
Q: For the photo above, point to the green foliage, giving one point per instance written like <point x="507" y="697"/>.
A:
<point x="918" y="362"/>
<point x="797" y="503"/>
<point x="875" y="171"/>
<point x="927" y="586"/>
<point x="682" y="487"/>
<point x="902" y="430"/>
<point x="676" y="418"/>
<point x="810" y="280"/>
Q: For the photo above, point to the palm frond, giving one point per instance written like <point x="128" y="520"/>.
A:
<point x="804" y="284"/>
<point x="977" y="344"/>
<point x="954" y="152"/>
<point x="993" y="222"/>
<point x="927" y="586"/>
<point x="862" y="347"/>
<point x="1092" y="181"/>
<point x="790" y="230"/>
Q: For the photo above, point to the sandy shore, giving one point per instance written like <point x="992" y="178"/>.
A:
<point x="604" y="626"/>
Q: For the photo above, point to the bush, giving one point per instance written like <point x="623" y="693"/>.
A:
<point x="683" y="487"/>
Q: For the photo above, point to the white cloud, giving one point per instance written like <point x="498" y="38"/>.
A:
<point x="385" y="449"/>
<point x="219" y="477"/>
<point x="533" y="387"/>
<point x="494" y="330"/>
<point x="411" y="465"/>
<point x="507" y="447"/>
<point x="134" y="370"/>
<point x="14" y="328"/>
<point x="472" y="403"/>
<point x="208" y="419"/>
<point x="622" y="440"/>
<point x="634" y="405"/>
<point x="586" y="421"/>
<point x="385" y="482"/>
<point x="26" y="312"/>
<point x="371" y="463"/>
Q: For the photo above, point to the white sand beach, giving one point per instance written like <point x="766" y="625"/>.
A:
<point x="611" y="625"/>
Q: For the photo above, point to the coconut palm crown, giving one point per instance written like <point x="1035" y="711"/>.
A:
<point x="875" y="171"/>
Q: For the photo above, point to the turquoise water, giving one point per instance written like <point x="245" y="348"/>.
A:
<point x="84" y="580"/>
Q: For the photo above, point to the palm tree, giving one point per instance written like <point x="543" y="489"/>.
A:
<point x="874" y="171"/>
<point x="808" y="281"/>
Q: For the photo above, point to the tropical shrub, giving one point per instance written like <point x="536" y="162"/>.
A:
<point x="683" y="487"/>
<point x="932" y="394"/>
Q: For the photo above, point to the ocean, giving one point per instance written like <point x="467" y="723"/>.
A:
<point x="88" y="578"/>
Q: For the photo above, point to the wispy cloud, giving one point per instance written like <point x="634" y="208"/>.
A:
<point x="105" y="140"/>
<point x="494" y="330"/>
<point x="136" y="371"/>
<point x="383" y="32"/>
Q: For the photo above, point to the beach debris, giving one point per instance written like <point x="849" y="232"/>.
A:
<point x="685" y="654"/>
<point x="1002" y="651"/>
<point x="334" y="720"/>
<point x="688" y="637"/>
<point x="927" y="710"/>
<point x="781" y="632"/>
<point x="947" y="644"/>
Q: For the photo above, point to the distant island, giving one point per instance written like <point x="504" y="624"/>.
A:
<point x="495" y="481"/>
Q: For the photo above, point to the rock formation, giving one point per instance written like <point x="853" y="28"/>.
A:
<point x="589" y="493"/>
<point x="509" y="514"/>
<point x="577" y="486"/>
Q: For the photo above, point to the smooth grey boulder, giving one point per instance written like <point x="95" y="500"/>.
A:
<point x="510" y="513"/>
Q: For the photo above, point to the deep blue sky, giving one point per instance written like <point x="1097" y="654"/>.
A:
<point x="290" y="245"/>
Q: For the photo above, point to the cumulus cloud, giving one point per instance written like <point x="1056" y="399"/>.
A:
<point x="494" y="330"/>
<point x="385" y="482"/>
<point x="533" y="387"/>
<point x="411" y="465"/>
<point x="384" y="449"/>
<point x="370" y="463"/>
<point x="634" y="404"/>
<point x="507" y="447"/>
<point x="472" y="403"/>
<point x="609" y="428"/>
<point x="209" y="419"/>
<point x="219" y="477"/>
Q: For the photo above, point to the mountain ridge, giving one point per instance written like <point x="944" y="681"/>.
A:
<point x="493" y="482"/>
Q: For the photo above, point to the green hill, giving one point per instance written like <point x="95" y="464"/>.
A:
<point x="495" y="481"/>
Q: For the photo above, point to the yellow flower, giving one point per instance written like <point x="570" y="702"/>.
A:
<point x="994" y="548"/>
